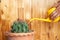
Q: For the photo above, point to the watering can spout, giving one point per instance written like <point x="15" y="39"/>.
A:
<point x="45" y="20"/>
<point x="40" y="19"/>
<point x="50" y="11"/>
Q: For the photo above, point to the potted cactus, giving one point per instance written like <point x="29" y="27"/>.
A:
<point x="20" y="31"/>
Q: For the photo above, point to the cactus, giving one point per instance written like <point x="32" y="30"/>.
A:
<point x="19" y="27"/>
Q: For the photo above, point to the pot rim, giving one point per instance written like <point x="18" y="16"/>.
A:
<point x="8" y="33"/>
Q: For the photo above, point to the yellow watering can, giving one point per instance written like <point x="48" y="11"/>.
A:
<point x="47" y="19"/>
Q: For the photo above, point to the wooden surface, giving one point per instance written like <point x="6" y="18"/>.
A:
<point x="27" y="9"/>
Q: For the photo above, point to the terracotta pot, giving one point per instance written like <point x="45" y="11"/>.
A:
<point x="20" y="36"/>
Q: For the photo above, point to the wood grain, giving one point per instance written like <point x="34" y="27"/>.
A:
<point x="25" y="10"/>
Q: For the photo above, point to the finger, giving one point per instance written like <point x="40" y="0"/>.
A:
<point x="52" y="14"/>
<point x="58" y="8"/>
<point x="58" y="4"/>
<point x="55" y="16"/>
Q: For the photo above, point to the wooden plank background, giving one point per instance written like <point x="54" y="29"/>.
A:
<point x="11" y="10"/>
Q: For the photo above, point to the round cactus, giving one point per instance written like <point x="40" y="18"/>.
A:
<point x="19" y="27"/>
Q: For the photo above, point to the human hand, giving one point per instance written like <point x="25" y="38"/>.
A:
<point x="55" y="13"/>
